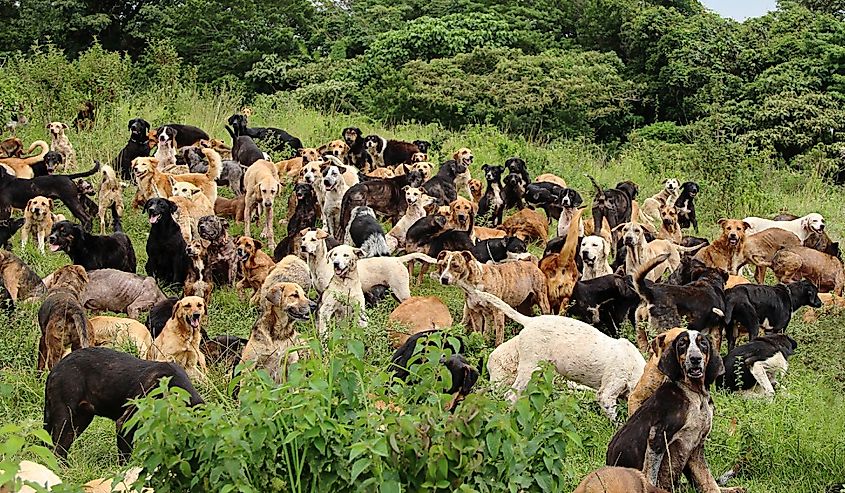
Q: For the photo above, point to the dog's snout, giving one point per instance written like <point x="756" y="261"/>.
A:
<point x="695" y="360"/>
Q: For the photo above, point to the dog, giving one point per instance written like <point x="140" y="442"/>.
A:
<point x="760" y="248"/>
<point x="615" y="204"/>
<point x="167" y="261"/>
<point x="136" y="147"/>
<point x="365" y="232"/>
<point x="799" y="262"/>
<point x="186" y="135"/>
<point x="666" y="436"/>
<point x="546" y="196"/>
<point x="62" y="318"/>
<point x="384" y="152"/>
<point x="801" y="227"/>
<point x="465" y="157"/>
<point x="304" y="217"/>
<point x="8" y="228"/>
<point x="94" y="252"/>
<point x="616" y="480"/>
<point x="166" y="150"/>
<point x="442" y="186"/>
<point x="492" y="204"/>
<point x="496" y="250"/>
<point x="262" y="185"/>
<point x="61" y="144"/>
<point x="277" y="138"/>
<point x="245" y="151"/>
<point x="513" y="191"/>
<point x="519" y="284"/>
<point x="254" y="265"/>
<point x="18" y="278"/>
<point x="221" y="250"/>
<point x="344" y="294"/>
<point x="120" y="331"/>
<point x="638" y="251"/>
<point x="561" y="269"/>
<point x="335" y="188"/>
<point x="614" y="368"/>
<point x="102" y="382"/>
<point x="357" y="155"/>
<point x="21" y="167"/>
<point x="528" y="225"/>
<point x="231" y="208"/>
<point x="767" y="307"/>
<point x="384" y="196"/>
<point x="685" y="204"/>
<point x="11" y="147"/>
<point x="191" y="205"/>
<point x="198" y="281"/>
<point x="118" y="291"/>
<point x="289" y="269"/>
<point x="155" y="183"/>
<point x="414" y="315"/>
<point x="179" y="341"/>
<point x="726" y="252"/>
<point x="475" y="190"/>
<point x="38" y="221"/>
<point x="754" y="367"/>
<point x="415" y="203"/>
<point x="110" y="193"/>
<point x="650" y="208"/>
<point x="604" y="302"/>
<point x="570" y="201"/>
<point x="595" y="251"/>
<point x="669" y="227"/>
<point x="550" y="178"/>
<point x="337" y="148"/>
<point x="273" y="342"/>
<point x="462" y="214"/>
<point x="652" y="376"/>
<point x="516" y="165"/>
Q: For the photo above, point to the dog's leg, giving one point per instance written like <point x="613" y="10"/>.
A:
<point x="248" y="204"/>
<point x="499" y="326"/>
<point x="41" y="239"/>
<point x="700" y="474"/>
<point x="269" y="227"/>
<point x="607" y="395"/>
<point x="758" y="370"/>
<point x="24" y="235"/>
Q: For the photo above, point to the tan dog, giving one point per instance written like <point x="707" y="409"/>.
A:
<point x="417" y="314"/>
<point x="561" y="270"/>
<point x="11" y="147"/>
<point x="61" y="144"/>
<point x="639" y="252"/>
<point x="760" y="248"/>
<point x="118" y="331"/>
<point x="652" y="376"/>
<point x="38" y="221"/>
<point x="382" y="173"/>
<point x="62" y="318"/>
<point x="423" y="167"/>
<point x="462" y="214"/>
<point x="219" y="146"/>
<point x="110" y="193"/>
<point x="255" y="265"/>
<point x="273" y="339"/>
<point x="799" y="262"/>
<point x="22" y="167"/>
<point x="463" y="155"/>
<point x="416" y="202"/>
<point x="617" y="480"/>
<point x="179" y="340"/>
<point x="155" y="183"/>
<point x="336" y="148"/>
<point x="650" y="210"/>
<point x="726" y="252"/>
<point x="289" y="269"/>
<point x="344" y="294"/>
<point x="482" y="233"/>
<point x="550" y="178"/>
<point x="232" y="208"/>
<point x="476" y="190"/>
<point x="19" y="279"/>
<point x="528" y="225"/>
<point x="517" y="283"/>
<point x="30" y="472"/>
<point x="262" y="185"/>
<point x="669" y="227"/>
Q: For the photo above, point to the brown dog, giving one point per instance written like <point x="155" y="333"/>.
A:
<point x="616" y="480"/>
<point x="417" y="314"/>
<point x="760" y="248"/>
<point x="528" y="225"/>
<point x="110" y="193"/>
<point x="38" y="221"/>
<point x="61" y="317"/>
<point x="155" y="183"/>
<point x="255" y="265"/>
<point x="61" y="144"/>
<point x="199" y="281"/>
<point x="462" y="214"/>
<point x="550" y="178"/>
<point x="561" y="270"/>
<point x="22" y="167"/>
<point x="476" y="190"/>
<point x="19" y="279"/>
<point x="118" y="331"/>
<point x="652" y="376"/>
<point x="179" y="340"/>
<point x="726" y="252"/>
<point x="11" y="147"/>
<point x="464" y="156"/>
<point x="800" y="262"/>
<point x="482" y="233"/>
<point x="262" y="185"/>
<point x="232" y="208"/>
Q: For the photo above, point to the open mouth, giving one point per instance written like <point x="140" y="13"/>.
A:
<point x="154" y="218"/>
<point x="589" y="261"/>
<point x="193" y="320"/>
<point x="242" y="254"/>
<point x="732" y="240"/>
<point x="339" y="270"/>
<point x="298" y="313"/>
<point x="817" y="229"/>
<point x="697" y="372"/>
<point x="55" y="247"/>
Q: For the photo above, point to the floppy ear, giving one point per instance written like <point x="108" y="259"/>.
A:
<point x="669" y="364"/>
<point x="146" y="206"/>
<point x="176" y="308"/>
<point x="173" y="206"/>
<point x="442" y="255"/>
<point x="657" y="344"/>
<point x="606" y="246"/>
<point x="303" y="231"/>
<point x="274" y="295"/>
<point x="359" y="253"/>
<point x="805" y="223"/>
<point x="258" y="244"/>
<point x="322" y="235"/>
<point x="50" y="203"/>
<point x="224" y="223"/>
<point x="467" y="257"/>
<point x="64" y="126"/>
<point x="747" y="226"/>
<point x="405" y="188"/>
<point x="721" y="221"/>
<point x="715" y="366"/>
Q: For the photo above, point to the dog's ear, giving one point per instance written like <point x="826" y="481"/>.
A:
<point x="715" y="366"/>
<point x="50" y="203"/>
<point x="274" y="295"/>
<point x="321" y="234"/>
<point x="669" y="364"/>
<point x="173" y="207"/>
<point x="176" y="307"/>
<point x="359" y="253"/>
<point x="146" y="206"/>
<point x="258" y="244"/>
<point x="657" y="344"/>
<point x="605" y="243"/>
<point x="467" y="257"/>
<point x="440" y="220"/>
<point x="722" y="221"/>
<point x="405" y="188"/>
<point x="442" y="255"/>
<point x="747" y="226"/>
<point x="64" y="126"/>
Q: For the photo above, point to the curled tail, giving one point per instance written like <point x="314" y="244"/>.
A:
<point x="642" y="271"/>
<point x="118" y="228"/>
<point x="504" y="307"/>
<point x="215" y="163"/>
<point x="417" y="256"/>
<point x="86" y="173"/>
<point x="45" y="148"/>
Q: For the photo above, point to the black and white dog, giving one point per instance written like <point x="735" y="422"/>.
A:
<point x="546" y="196"/>
<point x="685" y="204"/>
<point x="514" y="191"/>
<point x="277" y="138"/>
<point x="385" y="152"/>
<point x="365" y="232"/>
<point x="500" y="249"/>
<point x="491" y="207"/>
<point x="517" y="165"/>
<point x="755" y="366"/>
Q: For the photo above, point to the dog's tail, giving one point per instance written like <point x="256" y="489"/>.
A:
<point x="417" y="256"/>
<point x="595" y="183"/>
<point x="86" y="173"/>
<point x="215" y="163"/>
<point x="567" y="253"/>
<point x="45" y="148"/>
<point x="118" y="228"/>
<point x="639" y="276"/>
<point x="683" y="249"/>
<point x="504" y="307"/>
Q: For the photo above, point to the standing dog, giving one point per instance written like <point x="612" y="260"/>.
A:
<point x="94" y="252"/>
<point x="61" y="144"/>
<point x="262" y="185"/>
<point x="110" y="193"/>
<point x="38" y="221"/>
<point x="179" y="341"/>
<point x="166" y="149"/>
<point x="62" y="318"/>
<point x="727" y="251"/>
<point x="650" y="209"/>
<point x="685" y="204"/>
<point x="335" y="188"/>
<point x="801" y="227"/>
<point x="492" y="204"/>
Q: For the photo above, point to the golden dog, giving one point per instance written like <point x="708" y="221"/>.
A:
<point x="61" y="144"/>
<point x="22" y="167"/>
<point x="261" y="181"/>
<point x="110" y="193"/>
<point x="179" y="340"/>
<point x="38" y="221"/>
<point x="155" y="183"/>
<point x="255" y="265"/>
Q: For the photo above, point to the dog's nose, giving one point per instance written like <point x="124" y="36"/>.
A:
<point x="695" y="360"/>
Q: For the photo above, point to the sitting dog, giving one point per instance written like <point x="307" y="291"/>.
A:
<point x="191" y="205"/>
<point x="442" y="186"/>
<point x="614" y="204"/>
<point x="513" y="191"/>
<point x="416" y="201"/>
<point x="343" y="295"/>
<point x="111" y="193"/>
<point x="91" y="251"/>
<point x="19" y="279"/>
<point x="62" y="318"/>
<point x="101" y="382"/>
<point x="516" y="165"/>
<point x="685" y="204"/>
<point x="61" y="144"/>
<point x="755" y="366"/>
<point x="365" y="232"/>
<point x="799" y="262"/>
<point x="165" y="154"/>
<point x="595" y="251"/>
<point x="496" y="250"/>
<point x="616" y="480"/>
<point x="38" y="221"/>
<point x="179" y="341"/>
<point x="491" y="207"/>
<point x="726" y="252"/>
<point x="570" y="200"/>
<point x="652" y="377"/>
<point x="335" y="188"/>
<point x="221" y="251"/>
<point x="666" y="436"/>
<point x="136" y="147"/>
<point x="801" y="227"/>
<point x="167" y="261"/>
<point x="254" y="266"/>
<point x="650" y="208"/>
<point x="579" y="352"/>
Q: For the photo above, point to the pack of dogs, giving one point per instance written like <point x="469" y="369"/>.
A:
<point x="631" y="261"/>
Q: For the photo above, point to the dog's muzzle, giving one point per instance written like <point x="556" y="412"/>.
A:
<point x="629" y="241"/>
<point x="194" y="320"/>
<point x="588" y="259"/>
<point x="733" y="240"/>
<point x="299" y="312"/>
<point x="242" y="254"/>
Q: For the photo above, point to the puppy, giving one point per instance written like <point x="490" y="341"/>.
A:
<point x="344" y="295"/>
<point x="61" y="144"/>
<point x="179" y="341"/>
<point x="595" y="251"/>
<point x="365" y="232"/>
<point x="62" y="318"/>
<point x="38" y="221"/>
<point x="110" y="193"/>
<point x="261" y="181"/>
<point x="255" y="265"/>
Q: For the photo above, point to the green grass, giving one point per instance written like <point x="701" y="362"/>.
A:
<point x="793" y="444"/>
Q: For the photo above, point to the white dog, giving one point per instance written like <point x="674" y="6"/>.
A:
<point x="579" y="352"/>
<point x="61" y="144"/>
<point x="335" y="188"/>
<point x="344" y="295"/>
<point x="802" y="227"/>
<point x="594" y="253"/>
<point x="417" y="201"/>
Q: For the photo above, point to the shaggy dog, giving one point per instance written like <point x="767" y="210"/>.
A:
<point x="221" y="250"/>
<point x="254" y="264"/>
<point x="62" y="318"/>
<point x="179" y="341"/>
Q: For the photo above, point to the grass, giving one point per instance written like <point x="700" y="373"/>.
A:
<point x="793" y="444"/>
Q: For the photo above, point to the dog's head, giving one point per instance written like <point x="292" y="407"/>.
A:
<point x="783" y="342"/>
<point x="138" y="130"/>
<point x="142" y="166"/>
<point x="268" y="188"/>
<point x="570" y="198"/>
<point x="304" y="192"/>
<point x="424" y="168"/>
<point x="84" y="187"/>
<point x="71" y="277"/>
<point x="457" y="266"/>
<point x="476" y="188"/>
<point x="63" y="236"/>
<point x="629" y="188"/>
<point x="312" y="239"/>
<point x="804" y="292"/>
<point x="462" y="213"/>
<point x="309" y="154"/>
<point x="57" y="129"/>
<point x="52" y="160"/>
<point x="246" y="247"/>
<point x="633" y="234"/>
<point x="291" y="298"/>
<point x="39" y="207"/>
<point x="373" y="144"/>
<point x="156" y="208"/>
<point x="212" y="228"/>
<point x="412" y="195"/>
<point x="193" y="156"/>
<point x="361" y="211"/>
<point x="672" y="185"/>
<point x="515" y="165"/>
<point x="344" y="260"/>
<point x="690" y="188"/>
<point x="463" y="156"/>
<point x="351" y="135"/>
<point x="733" y="230"/>
<point x="692" y="359"/>
<point x="515" y="247"/>
<point x="332" y="175"/>
<point x="197" y="248"/>
<point x="594" y="250"/>
<point x="166" y="136"/>
<point x="11" y="147"/>
<point x="419" y="157"/>
<point x="662" y="341"/>
<point x="336" y="148"/>
<point x="185" y="189"/>
<point x="190" y="309"/>
<point x="423" y="146"/>
<point x="492" y="173"/>
<point x="311" y="171"/>
<point x="238" y="122"/>
<point x="813" y="223"/>
<point x="669" y="216"/>
<point x="515" y="183"/>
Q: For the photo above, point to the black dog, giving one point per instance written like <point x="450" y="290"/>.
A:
<point x="392" y="152"/>
<point x="276" y="137"/>
<point x="159" y="314"/>
<point x="546" y="196"/>
<point x="613" y="204"/>
<point x="48" y="165"/>
<point x="771" y="307"/>
<point x="167" y="261"/>
<point x="366" y="233"/>
<point x="751" y="363"/>
<point x="99" y="381"/>
<point x="138" y="146"/>
<point x="16" y="192"/>
<point x="492" y="203"/>
<point x="498" y="249"/>
<point x="422" y="145"/>
<point x="304" y="217"/>
<point x="605" y="302"/>
<point x="8" y="228"/>
<point x="514" y="191"/>
<point x="245" y="152"/>
<point x="357" y="155"/>
<point x="91" y="251"/>
<point x="517" y="166"/>
<point x="685" y="204"/>
<point x="442" y="185"/>
<point x="384" y="196"/>
<point x="450" y="240"/>
<point x="186" y="135"/>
